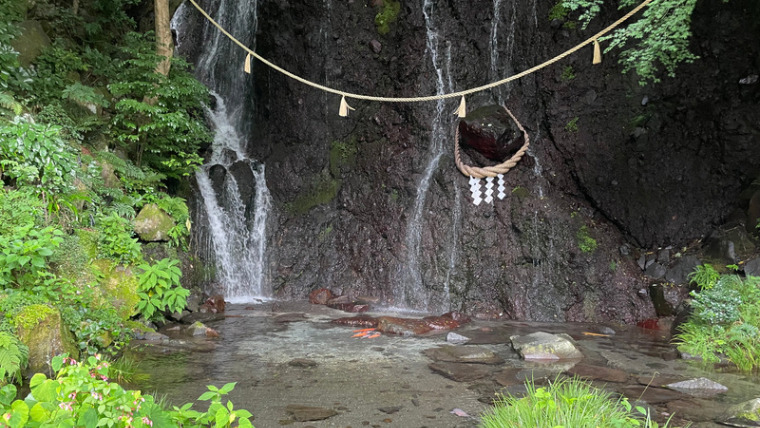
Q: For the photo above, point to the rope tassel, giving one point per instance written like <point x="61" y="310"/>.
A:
<point x="462" y="110"/>
<point x="247" y="66"/>
<point x="597" y="53"/>
<point x="344" y="107"/>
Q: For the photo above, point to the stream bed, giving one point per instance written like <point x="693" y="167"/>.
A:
<point x="291" y="365"/>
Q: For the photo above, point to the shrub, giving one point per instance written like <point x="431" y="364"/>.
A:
<point x="725" y="323"/>
<point x="564" y="403"/>
<point x="116" y="242"/>
<point x="82" y="395"/>
<point x="705" y="276"/>
<point x="159" y="289"/>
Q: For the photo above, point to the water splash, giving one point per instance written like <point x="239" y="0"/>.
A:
<point x="231" y="218"/>
<point x="236" y="238"/>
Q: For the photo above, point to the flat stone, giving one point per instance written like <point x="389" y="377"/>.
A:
<point x="456" y="338"/>
<point x="508" y="377"/>
<point x="701" y="387"/>
<point x="308" y="413"/>
<point x="402" y="326"/>
<point x="606" y="374"/>
<point x="746" y="414"/>
<point x="463" y="354"/>
<point x="651" y="395"/>
<point x="696" y="410"/>
<point x="390" y="410"/>
<point x="441" y="323"/>
<point x="545" y="346"/>
<point x="460" y="372"/>
<point x="302" y="362"/>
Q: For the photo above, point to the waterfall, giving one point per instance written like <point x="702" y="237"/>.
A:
<point x="413" y="293"/>
<point x="230" y="217"/>
<point x="501" y="68"/>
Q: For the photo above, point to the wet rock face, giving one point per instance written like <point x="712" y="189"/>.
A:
<point x="652" y="174"/>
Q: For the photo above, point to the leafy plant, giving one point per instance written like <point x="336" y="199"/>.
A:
<point x="83" y="396"/>
<point x="564" y="403"/>
<point x="14" y="356"/>
<point x="725" y="323"/>
<point x="158" y="118"/>
<point x="116" y="241"/>
<point x="160" y="290"/>
<point x="387" y="15"/>
<point x="24" y="255"/>
<point x="568" y="73"/>
<point x="572" y="125"/>
<point x="586" y="243"/>
<point x="659" y="39"/>
<point x="705" y="276"/>
<point x="35" y="155"/>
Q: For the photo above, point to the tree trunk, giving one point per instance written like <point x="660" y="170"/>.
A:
<point x="164" y="43"/>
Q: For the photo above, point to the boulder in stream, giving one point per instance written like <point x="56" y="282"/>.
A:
<point x="545" y="346"/>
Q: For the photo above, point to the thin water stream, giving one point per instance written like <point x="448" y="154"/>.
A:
<point x="289" y="354"/>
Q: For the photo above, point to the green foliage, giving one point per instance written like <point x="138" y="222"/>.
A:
<point x="572" y="125"/>
<point x="586" y="243"/>
<point x="158" y="119"/>
<point x="705" y="276"/>
<point x="35" y="155"/>
<point x="82" y="396"/>
<point x="387" y="15"/>
<point x="564" y="403"/>
<point x="558" y="11"/>
<point x="14" y="356"/>
<point x="659" y="39"/>
<point x="24" y="254"/>
<point x="160" y="290"/>
<point x="725" y="322"/>
<point x="9" y="65"/>
<point x="568" y="73"/>
<point x="115" y="240"/>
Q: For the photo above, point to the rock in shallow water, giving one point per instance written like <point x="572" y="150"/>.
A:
<point x="701" y="387"/>
<point x="545" y="346"/>
<point x="402" y="326"/>
<point x="460" y="372"/>
<point x="463" y="354"/>
<point x="308" y="413"/>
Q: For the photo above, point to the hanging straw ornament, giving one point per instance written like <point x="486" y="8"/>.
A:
<point x="462" y="109"/>
<point x="344" y="107"/>
<point x="247" y="66"/>
<point x="597" y="53"/>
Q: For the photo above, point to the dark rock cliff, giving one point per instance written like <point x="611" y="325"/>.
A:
<point x="612" y="164"/>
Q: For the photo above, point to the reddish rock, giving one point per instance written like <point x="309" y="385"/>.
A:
<point x="349" y="307"/>
<point x="340" y="299"/>
<point x="214" y="304"/>
<point x="320" y="296"/>
<point x="368" y="322"/>
<point x="441" y="323"/>
<point x="402" y="326"/>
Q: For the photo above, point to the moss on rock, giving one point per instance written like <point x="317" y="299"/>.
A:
<point x="118" y="287"/>
<point x="41" y="329"/>
<point x="153" y="224"/>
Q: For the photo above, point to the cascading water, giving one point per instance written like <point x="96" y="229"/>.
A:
<point x="501" y="66"/>
<point x="412" y="293"/>
<point x="231" y="219"/>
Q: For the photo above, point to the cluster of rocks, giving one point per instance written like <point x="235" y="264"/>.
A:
<point x="548" y="357"/>
<point x="407" y="326"/>
<point x="190" y="322"/>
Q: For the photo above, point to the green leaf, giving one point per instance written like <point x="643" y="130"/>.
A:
<point x="227" y="388"/>
<point x="88" y="419"/>
<point x="39" y="413"/>
<point x="207" y="396"/>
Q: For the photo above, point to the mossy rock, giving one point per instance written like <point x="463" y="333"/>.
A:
<point x="31" y="42"/>
<point x="41" y="329"/>
<point x="118" y="287"/>
<point x="108" y="174"/>
<point x="88" y="242"/>
<point x="153" y="224"/>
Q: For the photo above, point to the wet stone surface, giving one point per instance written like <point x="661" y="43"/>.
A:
<point x="295" y="367"/>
